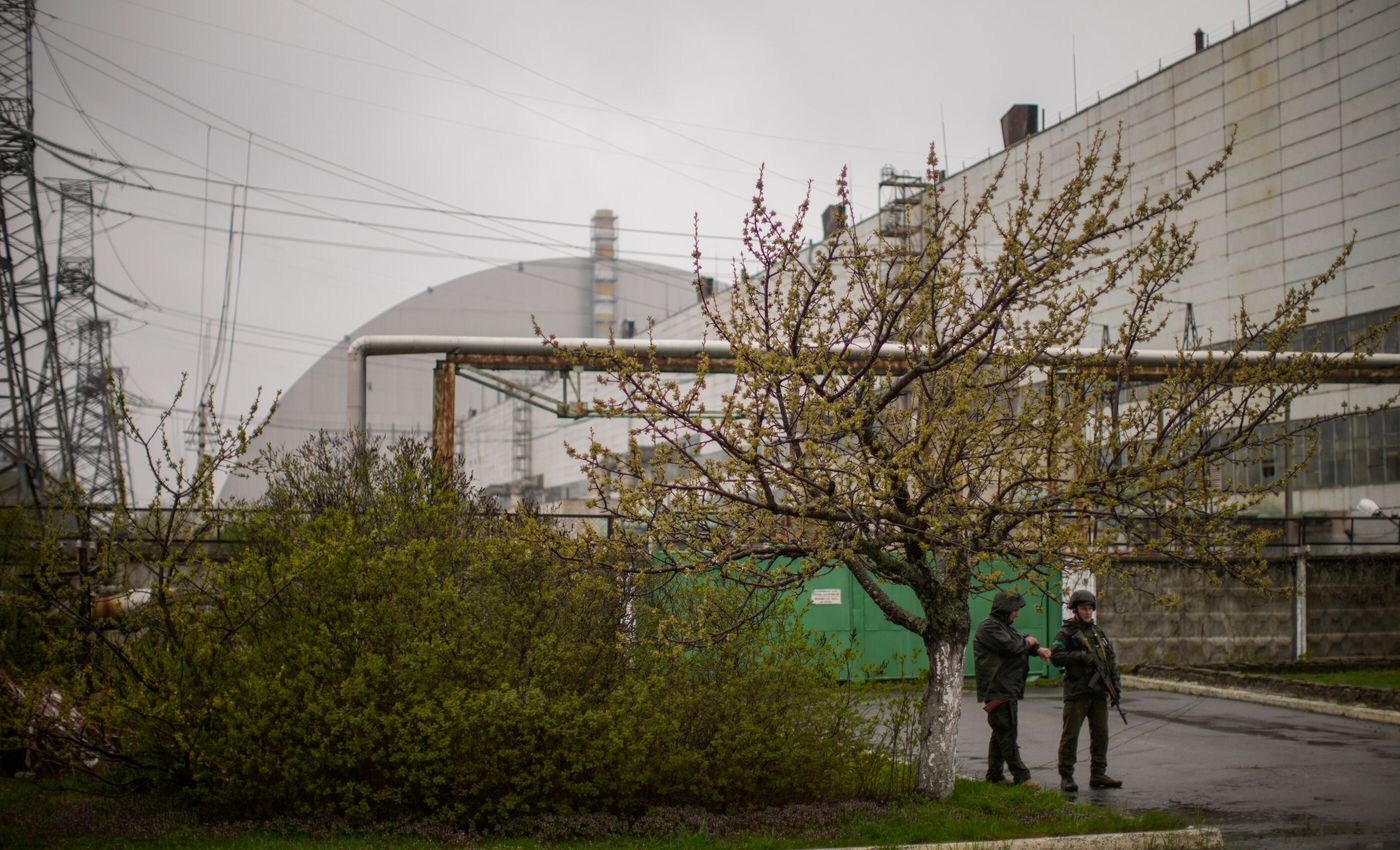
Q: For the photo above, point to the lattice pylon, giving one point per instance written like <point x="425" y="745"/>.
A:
<point x="84" y="341"/>
<point x="97" y="441"/>
<point x="34" y="439"/>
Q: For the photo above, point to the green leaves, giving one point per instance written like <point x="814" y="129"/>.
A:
<point x="387" y="643"/>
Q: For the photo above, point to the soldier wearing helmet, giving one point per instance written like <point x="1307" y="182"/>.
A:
<point x="1084" y="652"/>
<point x="1001" y="656"/>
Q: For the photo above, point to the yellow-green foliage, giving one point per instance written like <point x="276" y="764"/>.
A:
<point x="389" y="644"/>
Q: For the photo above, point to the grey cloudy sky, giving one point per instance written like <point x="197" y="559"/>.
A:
<point x="390" y="145"/>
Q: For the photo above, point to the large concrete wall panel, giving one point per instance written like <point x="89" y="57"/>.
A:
<point x="1353" y="605"/>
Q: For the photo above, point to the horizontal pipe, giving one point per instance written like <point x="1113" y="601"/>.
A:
<point x="362" y="348"/>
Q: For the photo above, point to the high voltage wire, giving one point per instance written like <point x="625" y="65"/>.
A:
<point x="296" y="155"/>
<point x="503" y="219"/>
<point x="284" y="150"/>
<point x="427" y="251"/>
<point x="53" y="150"/>
<point x="73" y="98"/>
<point x="573" y="89"/>
<point x="375" y="225"/>
<point x="275" y="333"/>
<point x="259" y="37"/>
<point x="372" y="37"/>
<point x="310" y="160"/>
<point x="399" y="109"/>
<point x="323" y="342"/>
<point x="54" y="147"/>
<point x="147" y="303"/>
<point x="445" y="79"/>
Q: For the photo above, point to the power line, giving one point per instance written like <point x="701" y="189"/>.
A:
<point x="297" y="155"/>
<point x="55" y="148"/>
<point x="320" y="92"/>
<point x="428" y="251"/>
<point x="77" y="106"/>
<point x="149" y="303"/>
<point x="259" y="37"/>
<point x="371" y="36"/>
<point x="281" y="149"/>
<point x="210" y="128"/>
<point x="378" y="226"/>
<point x="616" y="109"/>
<point x="445" y="79"/>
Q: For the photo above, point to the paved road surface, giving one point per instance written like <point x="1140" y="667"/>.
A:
<point x="1267" y="777"/>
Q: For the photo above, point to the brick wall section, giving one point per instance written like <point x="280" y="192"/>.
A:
<point x="1353" y="611"/>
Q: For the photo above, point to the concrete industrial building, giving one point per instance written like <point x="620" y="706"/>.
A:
<point x="1312" y="95"/>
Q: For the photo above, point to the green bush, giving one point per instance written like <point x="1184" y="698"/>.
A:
<point x="389" y="644"/>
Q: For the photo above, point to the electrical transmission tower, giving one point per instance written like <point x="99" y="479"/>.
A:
<point x="34" y="440"/>
<point x="41" y="316"/>
<point x="84" y="344"/>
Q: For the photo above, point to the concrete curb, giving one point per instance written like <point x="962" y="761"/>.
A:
<point x="1355" y="712"/>
<point x="1193" y="838"/>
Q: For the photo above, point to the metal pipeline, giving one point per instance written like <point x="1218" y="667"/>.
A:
<point x="1378" y="368"/>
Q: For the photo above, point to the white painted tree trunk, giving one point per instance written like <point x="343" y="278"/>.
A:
<point x="938" y="720"/>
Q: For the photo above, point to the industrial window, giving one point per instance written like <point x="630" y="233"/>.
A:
<point x="1356" y="450"/>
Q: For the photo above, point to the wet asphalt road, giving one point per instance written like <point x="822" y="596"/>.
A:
<point x="1267" y="777"/>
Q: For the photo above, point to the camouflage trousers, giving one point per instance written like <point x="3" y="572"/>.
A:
<point x="1095" y="710"/>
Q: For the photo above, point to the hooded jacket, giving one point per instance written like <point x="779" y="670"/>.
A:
<point x="1001" y="656"/>
<point x="1076" y="647"/>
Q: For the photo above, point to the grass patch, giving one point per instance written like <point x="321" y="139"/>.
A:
<point x="48" y="816"/>
<point x="1387" y="678"/>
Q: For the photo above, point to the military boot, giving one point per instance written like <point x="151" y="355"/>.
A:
<point x="1068" y="785"/>
<point x="1103" y="780"/>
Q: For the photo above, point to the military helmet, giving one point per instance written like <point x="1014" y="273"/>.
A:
<point x="1079" y="597"/>
<point x="1006" y="602"/>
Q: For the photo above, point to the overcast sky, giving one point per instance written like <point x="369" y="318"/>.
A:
<point x="390" y="145"/>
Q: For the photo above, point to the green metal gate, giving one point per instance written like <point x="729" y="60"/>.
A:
<point x="835" y="606"/>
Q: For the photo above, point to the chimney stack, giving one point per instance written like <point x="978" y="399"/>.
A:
<point x="833" y="217"/>
<point x="1020" y="121"/>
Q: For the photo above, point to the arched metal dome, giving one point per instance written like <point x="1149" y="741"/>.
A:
<point x="502" y="301"/>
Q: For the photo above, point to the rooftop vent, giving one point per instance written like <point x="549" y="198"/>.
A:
<point x="832" y="219"/>
<point x="1020" y="121"/>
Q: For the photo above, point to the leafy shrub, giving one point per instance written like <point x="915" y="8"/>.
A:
<point x="388" y="644"/>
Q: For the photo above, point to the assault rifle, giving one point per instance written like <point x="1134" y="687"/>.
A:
<point x="1102" y="676"/>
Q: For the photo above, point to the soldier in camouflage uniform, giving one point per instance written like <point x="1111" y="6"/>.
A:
<point x="1084" y="652"/>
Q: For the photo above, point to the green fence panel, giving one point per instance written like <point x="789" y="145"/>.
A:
<point x="835" y="606"/>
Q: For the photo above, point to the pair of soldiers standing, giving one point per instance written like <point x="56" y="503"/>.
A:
<point x="1002" y="660"/>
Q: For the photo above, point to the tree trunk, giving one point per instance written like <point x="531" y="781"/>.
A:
<point x="938" y="719"/>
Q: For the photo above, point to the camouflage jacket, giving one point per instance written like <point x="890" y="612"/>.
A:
<point x="1075" y="649"/>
